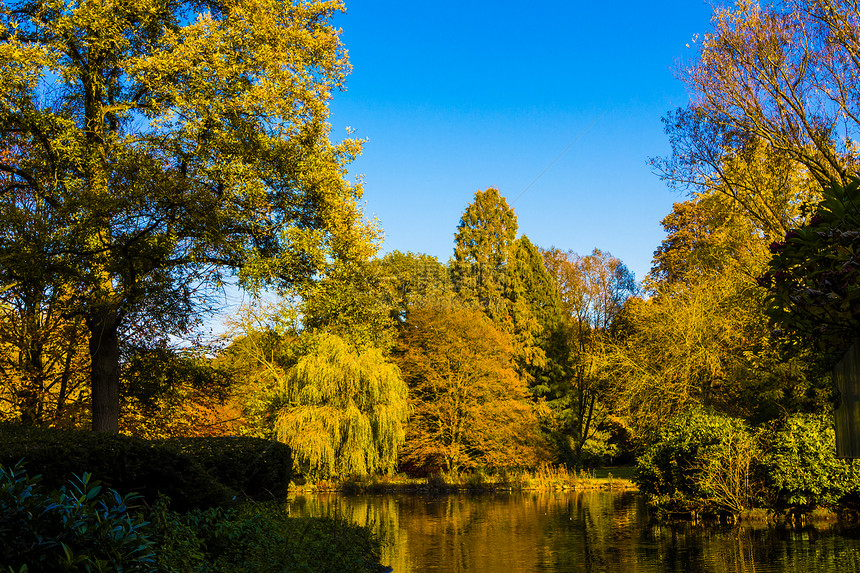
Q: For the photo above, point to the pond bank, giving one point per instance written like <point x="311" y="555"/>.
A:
<point x="546" y="478"/>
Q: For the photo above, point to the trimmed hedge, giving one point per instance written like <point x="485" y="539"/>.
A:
<point x="259" y="469"/>
<point x="192" y="472"/>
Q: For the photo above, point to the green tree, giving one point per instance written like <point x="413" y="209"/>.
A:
<point x="348" y="300"/>
<point x="343" y="412"/>
<point x="166" y="143"/>
<point x="813" y="275"/>
<point x="536" y="317"/>
<point x="482" y="245"/>
<point x="469" y="406"/>
<point x="411" y="280"/>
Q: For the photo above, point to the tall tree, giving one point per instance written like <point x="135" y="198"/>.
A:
<point x="535" y="316"/>
<point x="482" y="245"/>
<point x="593" y="291"/>
<point x="167" y="142"/>
<point x="786" y="74"/>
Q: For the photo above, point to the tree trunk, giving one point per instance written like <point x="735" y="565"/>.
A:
<point x="104" y="376"/>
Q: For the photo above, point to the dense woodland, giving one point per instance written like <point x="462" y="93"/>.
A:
<point x="142" y="170"/>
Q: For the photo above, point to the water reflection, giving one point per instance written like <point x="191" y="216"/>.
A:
<point x="573" y="531"/>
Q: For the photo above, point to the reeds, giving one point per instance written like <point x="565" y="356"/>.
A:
<point x="546" y="477"/>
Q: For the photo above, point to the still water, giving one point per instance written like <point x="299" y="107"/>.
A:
<point x="574" y="531"/>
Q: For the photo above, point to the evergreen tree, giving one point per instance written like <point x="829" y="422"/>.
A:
<point x="482" y="244"/>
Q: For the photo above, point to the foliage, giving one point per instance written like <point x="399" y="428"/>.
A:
<point x="342" y="411"/>
<point x="410" y="280"/>
<point x="800" y="467"/>
<point x="255" y="468"/>
<point x="700" y="460"/>
<point x="43" y="361"/>
<point x="703" y="460"/>
<point x="82" y="527"/>
<point x="705" y="235"/>
<point x="739" y="175"/>
<point x="264" y="344"/>
<point x="122" y="463"/>
<point x="534" y="317"/>
<point x="144" y="162"/>
<point x="348" y="302"/>
<point x="592" y="291"/>
<point x="79" y="527"/>
<point x="172" y="393"/>
<point x="469" y="406"/>
<point x="482" y="246"/>
<point x="754" y="77"/>
<point x="259" y="539"/>
<point x="813" y="276"/>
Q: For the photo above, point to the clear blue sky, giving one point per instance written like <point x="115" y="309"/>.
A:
<point x="453" y="97"/>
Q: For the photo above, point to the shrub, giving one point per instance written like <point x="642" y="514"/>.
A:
<point x="259" y="469"/>
<point x="78" y="527"/>
<point x="123" y="463"/>
<point x="800" y="467"/>
<point x="260" y="538"/>
<point x="701" y="461"/>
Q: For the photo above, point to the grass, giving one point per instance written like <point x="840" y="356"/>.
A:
<point x="545" y="477"/>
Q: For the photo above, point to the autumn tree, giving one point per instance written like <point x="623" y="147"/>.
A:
<point x="159" y="145"/>
<point x="786" y="75"/>
<point x="411" y="280"/>
<point x="593" y="290"/>
<point x="469" y="406"/>
<point x="43" y="361"/>
<point x="702" y="337"/>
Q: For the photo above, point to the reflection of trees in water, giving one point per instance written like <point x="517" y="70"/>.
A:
<point x="571" y="531"/>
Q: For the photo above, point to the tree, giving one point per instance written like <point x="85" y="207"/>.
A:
<point x="348" y="300"/>
<point x="702" y="338"/>
<point x="813" y="276"/>
<point x="593" y="290"/>
<point x="787" y="75"/>
<point x="705" y="235"/>
<point x="536" y="317"/>
<point x="167" y="144"/>
<point x="469" y="406"/>
<point x="757" y="179"/>
<point x="43" y="361"/>
<point x="411" y="280"/>
<point x="343" y="412"/>
<point x="482" y="245"/>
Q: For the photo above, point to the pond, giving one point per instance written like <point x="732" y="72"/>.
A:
<point x="574" y="531"/>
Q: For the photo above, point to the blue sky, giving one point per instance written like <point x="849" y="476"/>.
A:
<point x="453" y="97"/>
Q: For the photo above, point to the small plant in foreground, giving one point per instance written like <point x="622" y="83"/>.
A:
<point x="79" y="527"/>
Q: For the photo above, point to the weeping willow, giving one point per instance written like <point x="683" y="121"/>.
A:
<point x="344" y="411"/>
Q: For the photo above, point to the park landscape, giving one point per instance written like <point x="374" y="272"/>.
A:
<point x="156" y="155"/>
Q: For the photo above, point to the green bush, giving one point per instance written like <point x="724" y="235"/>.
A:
<point x="123" y="463"/>
<point x="708" y="461"/>
<point x="259" y="469"/>
<point x="800" y="467"/>
<point x="78" y="527"/>
<point x="701" y="461"/>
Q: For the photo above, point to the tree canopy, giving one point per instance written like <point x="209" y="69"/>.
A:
<point x="153" y="147"/>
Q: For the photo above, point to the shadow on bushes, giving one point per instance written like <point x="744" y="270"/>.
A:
<point x="192" y="472"/>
